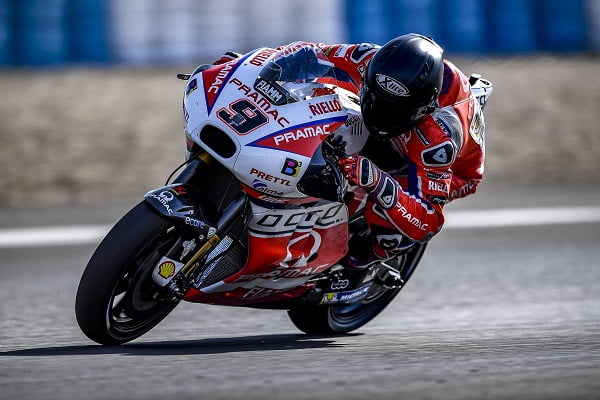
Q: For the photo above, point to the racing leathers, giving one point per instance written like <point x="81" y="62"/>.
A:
<point x="417" y="172"/>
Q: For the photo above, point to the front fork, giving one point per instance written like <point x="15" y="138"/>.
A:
<point x="182" y="202"/>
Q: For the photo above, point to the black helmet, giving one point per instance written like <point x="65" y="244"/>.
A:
<point x="401" y="84"/>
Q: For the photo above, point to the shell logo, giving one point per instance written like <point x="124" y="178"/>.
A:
<point x="166" y="269"/>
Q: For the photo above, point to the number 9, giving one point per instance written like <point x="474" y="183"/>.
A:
<point x="242" y="116"/>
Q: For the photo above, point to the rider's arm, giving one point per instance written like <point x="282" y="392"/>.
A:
<point x="412" y="205"/>
<point x="350" y="58"/>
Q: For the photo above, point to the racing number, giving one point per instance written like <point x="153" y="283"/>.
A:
<point x="242" y="116"/>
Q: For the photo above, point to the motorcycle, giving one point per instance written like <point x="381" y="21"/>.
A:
<point x="259" y="217"/>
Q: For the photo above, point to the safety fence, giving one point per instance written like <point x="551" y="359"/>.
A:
<point x="55" y="32"/>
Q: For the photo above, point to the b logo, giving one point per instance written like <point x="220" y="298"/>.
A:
<point x="291" y="167"/>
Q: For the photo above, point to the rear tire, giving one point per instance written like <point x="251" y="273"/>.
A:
<point x="117" y="300"/>
<point x="319" y="319"/>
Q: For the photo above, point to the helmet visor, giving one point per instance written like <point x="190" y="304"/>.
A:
<point x="385" y="118"/>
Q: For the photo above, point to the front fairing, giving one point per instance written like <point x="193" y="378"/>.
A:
<point x="272" y="109"/>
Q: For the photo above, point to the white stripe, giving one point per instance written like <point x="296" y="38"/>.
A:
<point x="521" y="217"/>
<point x="52" y="236"/>
<point x="92" y="234"/>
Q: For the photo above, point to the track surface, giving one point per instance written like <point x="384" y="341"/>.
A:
<point x="493" y="313"/>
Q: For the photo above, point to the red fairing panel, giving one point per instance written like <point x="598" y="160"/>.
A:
<point x="279" y="263"/>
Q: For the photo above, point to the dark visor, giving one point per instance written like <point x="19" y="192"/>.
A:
<point x="385" y="115"/>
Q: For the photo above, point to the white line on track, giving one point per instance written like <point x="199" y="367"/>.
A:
<point x="521" y="217"/>
<point x="493" y="218"/>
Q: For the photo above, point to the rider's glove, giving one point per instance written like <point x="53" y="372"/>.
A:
<point x="361" y="172"/>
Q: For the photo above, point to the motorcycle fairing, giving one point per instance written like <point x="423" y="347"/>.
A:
<point x="286" y="248"/>
<point x="214" y="80"/>
<point x="310" y="135"/>
<point x="273" y="144"/>
<point x="181" y="203"/>
<point x="229" y="90"/>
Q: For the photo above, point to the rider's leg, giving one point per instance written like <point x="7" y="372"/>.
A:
<point x="375" y="245"/>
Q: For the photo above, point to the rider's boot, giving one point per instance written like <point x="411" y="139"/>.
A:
<point x="361" y="253"/>
<point x="367" y="250"/>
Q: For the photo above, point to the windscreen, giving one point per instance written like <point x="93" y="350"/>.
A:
<point x="294" y="73"/>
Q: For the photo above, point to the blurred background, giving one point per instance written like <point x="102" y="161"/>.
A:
<point x="90" y="106"/>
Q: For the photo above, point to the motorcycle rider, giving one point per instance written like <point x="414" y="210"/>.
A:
<point x="426" y="144"/>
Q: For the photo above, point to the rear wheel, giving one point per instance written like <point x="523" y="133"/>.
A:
<point x="319" y="319"/>
<point x="117" y="299"/>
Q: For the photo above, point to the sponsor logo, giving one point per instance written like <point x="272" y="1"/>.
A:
<point x="388" y="195"/>
<point x="304" y="133"/>
<point x="178" y="190"/>
<point x="325" y="107"/>
<point x="270" y="178"/>
<point x="285" y="272"/>
<point x="258" y="184"/>
<point x="322" y="91"/>
<point x="262" y="102"/>
<point x="362" y="51"/>
<point x="188" y="246"/>
<point x="262" y="56"/>
<point x="166" y="269"/>
<point x="353" y="120"/>
<point x="435" y="175"/>
<point x="341" y="51"/>
<point x="439" y="200"/>
<point x="301" y="139"/>
<point x="191" y="86"/>
<point x="186" y="115"/>
<point x="257" y="292"/>
<point x="441" y="155"/>
<point x="272" y="93"/>
<point x="464" y="190"/>
<point x="437" y="186"/>
<point x="411" y="220"/>
<point x="422" y="137"/>
<point x="466" y="86"/>
<point x="284" y="220"/>
<point x="354" y="295"/>
<point x="219" y="79"/>
<point x="339" y="285"/>
<point x="294" y="47"/>
<point x="391" y="85"/>
<point x="477" y="128"/>
<point x="164" y="198"/>
<point x="261" y="186"/>
<point x="346" y="297"/>
<point x="270" y="199"/>
<point x="444" y="126"/>
<point x="291" y="167"/>
<point x="194" y="222"/>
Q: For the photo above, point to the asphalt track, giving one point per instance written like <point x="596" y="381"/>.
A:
<point x="508" y="311"/>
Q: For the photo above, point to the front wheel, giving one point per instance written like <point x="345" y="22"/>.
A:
<point x="319" y="319"/>
<point x="117" y="300"/>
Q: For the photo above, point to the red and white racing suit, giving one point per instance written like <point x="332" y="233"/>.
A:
<point x="438" y="161"/>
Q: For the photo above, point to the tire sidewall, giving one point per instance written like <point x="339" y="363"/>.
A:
<point x="110" y="261"/>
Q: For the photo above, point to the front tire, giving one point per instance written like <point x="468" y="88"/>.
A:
<point x="117" y="300"/>
<point x="319" y="319"/>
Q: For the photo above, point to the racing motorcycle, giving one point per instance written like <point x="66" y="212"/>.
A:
<point x="260" y="215"/>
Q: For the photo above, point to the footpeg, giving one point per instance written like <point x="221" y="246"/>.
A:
<point x="389" y="277"/>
